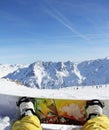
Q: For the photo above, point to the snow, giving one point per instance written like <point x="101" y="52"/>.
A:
<point x="8" y="87"/>
<point x="77" y="72"/>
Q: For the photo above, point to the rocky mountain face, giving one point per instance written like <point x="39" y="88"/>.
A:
<point x="54" y="75"/>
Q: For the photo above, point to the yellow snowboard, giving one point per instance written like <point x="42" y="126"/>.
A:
<point x="61" y="111"/>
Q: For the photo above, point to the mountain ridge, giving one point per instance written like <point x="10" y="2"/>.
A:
<point x="54" y="75"/>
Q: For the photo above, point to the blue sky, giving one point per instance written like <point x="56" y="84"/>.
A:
<point x="53" y="30"/>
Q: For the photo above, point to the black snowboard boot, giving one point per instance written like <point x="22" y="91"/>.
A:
<point x="26" y="107"/>
<point x="94" y="108"/>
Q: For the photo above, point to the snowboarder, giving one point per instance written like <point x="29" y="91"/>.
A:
<point x="28" y="118"/>
<point x="96" y="120"/>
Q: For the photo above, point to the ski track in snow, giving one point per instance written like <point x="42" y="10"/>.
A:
<point x="6" y="108"/>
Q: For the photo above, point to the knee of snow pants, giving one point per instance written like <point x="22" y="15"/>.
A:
<point x="27" y="123"/>
<point x="97" y="123"/>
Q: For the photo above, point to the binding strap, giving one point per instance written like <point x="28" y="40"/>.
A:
<point x="94" y="102"/>
<point x="23" y="99"/>
<point x="92" y="115"/>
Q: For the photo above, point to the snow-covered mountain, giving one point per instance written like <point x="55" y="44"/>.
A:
<point x="6" y="69"/>
<point x="61" y="74"/>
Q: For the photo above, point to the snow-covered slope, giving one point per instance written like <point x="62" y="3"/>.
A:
<point x="63" y="74"/>
<point x="8" y="87"/>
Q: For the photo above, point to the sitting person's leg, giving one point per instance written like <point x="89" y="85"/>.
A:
<point x="96" y="120"/>
<point x="29" y="119"/>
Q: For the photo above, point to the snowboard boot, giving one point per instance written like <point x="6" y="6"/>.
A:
<point x="26" y="107"/>
<point x="94" y="108"/>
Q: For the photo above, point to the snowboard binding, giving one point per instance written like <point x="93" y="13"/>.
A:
<point x="26" y="106"/>
<point x="94" y="108"/>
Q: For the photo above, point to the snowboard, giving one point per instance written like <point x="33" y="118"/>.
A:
<point x="63" y="111"/>
<point x="51" y="110"/>
<point x="60" y="111"/>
